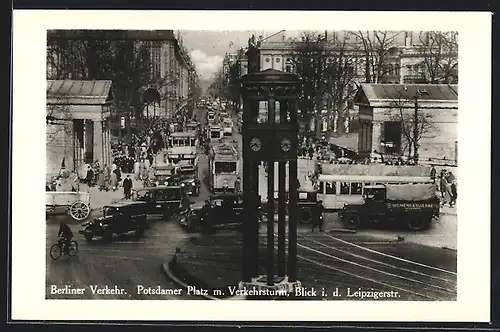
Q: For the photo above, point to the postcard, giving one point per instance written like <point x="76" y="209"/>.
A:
<point x="305" y="166"/>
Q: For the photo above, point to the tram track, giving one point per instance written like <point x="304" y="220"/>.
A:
<point x="375" y="268"/>
<point x="390" y="267"/>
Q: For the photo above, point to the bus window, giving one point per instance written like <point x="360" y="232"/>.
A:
<point x="344" y="188"/>
<point x="214" y="134"/>
<point x="331" y="188"/>
<point x="193" y="142"/>
<point x="355" y="188"/>
<point x="321" y="188"/>
<point x="225" y="167"/>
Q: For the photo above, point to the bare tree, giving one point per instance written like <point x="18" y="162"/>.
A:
<point x="375" y="50"/>
<point x="439" y="50"/>
<point x="339" y="79"/>
<point x="415" y="124"/>
<point x="310" y="60"/>
<point x="132" y="65"/>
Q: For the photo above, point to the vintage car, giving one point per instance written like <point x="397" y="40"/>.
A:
<point x="307" y="203"/>
<point x="188" y="178"/>
<point x="411" y="205"/>
<point x="166" y="175"/>
<point x="118" y="218"/>
<point x="226" y="212"/>
<point x="161" y="200"/>
<point x="211" y="117"/>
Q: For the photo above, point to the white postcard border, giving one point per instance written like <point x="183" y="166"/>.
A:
<point x="28" y="176"/>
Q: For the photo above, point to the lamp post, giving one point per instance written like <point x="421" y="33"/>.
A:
<point x="415" y="129"/>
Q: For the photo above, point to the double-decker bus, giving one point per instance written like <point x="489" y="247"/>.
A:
<point x="224" y="167"/>
<point x="182" y="145"/>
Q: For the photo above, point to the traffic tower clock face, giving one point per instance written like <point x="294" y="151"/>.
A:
<point x="255" y="144"/>
<point x="285" y="144"/>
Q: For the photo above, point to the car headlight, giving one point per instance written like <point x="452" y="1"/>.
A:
<point x="183" y="184"/>
<point x="100" y="224"/>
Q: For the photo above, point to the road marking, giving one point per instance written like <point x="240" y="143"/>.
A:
<point x="385" y="272"/>
<point x="391" y="256"/>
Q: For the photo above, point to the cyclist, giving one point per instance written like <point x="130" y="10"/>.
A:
<point x="66" y="235"/>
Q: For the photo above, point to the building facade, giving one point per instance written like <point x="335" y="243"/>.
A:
<point x="158" y="77"/>
<point x="407" y="57"/>
<point x="78" y="126"/>
<point x="387" y="114"/>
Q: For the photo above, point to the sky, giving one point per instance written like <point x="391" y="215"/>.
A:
<point x="207" y="48"/>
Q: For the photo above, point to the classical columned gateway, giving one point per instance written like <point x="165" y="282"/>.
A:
<point x="270" y="128"/>
<point x="77" y="123"/>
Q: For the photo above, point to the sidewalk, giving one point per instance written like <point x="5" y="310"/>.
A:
<point x="99" y="199"/>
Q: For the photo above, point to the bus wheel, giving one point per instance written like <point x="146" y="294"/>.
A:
<point x="306" y="215"/>
<point x="418" y="222"/>
<point x="352" y="221"/>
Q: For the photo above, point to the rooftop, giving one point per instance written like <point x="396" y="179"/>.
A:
<point x="375" y="94"/>
<point x="76" y="92"/>
<point x="184" y="134"/>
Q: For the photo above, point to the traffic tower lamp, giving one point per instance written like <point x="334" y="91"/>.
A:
<point x="271" y="138"/>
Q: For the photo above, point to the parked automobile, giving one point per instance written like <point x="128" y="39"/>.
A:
<point x="117" y="218"/>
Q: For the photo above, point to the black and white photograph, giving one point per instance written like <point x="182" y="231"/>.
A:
<point x="295" y="162"/>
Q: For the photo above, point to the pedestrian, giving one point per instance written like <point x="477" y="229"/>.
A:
<point x="447" y="193"/>
<point x="113" y="180"/>
<point x="318" y="216"/>
<point x="107" y="174"/>
<point x="453" y="193"/>
<point x="311" y="152"/>
<point x="237" y="185"/>
<point x="450" y="177"/>
<point x="442" y="183"/>
<point x="127" y="187"/>
<point x="118" y="175"/>
<point x="143" y="170"/>
<point x="206" y="222"/>
<point x="101" y="181"/>
<point x="433" y="174"/>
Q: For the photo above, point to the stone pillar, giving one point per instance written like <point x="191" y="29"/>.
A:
<point x="106" y="142"/>
<point x="98" y="141"/>
<point x="376" y="135"/>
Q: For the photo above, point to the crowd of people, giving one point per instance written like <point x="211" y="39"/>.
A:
<point x="136" y="157"/>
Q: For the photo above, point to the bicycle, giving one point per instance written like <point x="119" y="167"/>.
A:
<point x="57" y="249"/>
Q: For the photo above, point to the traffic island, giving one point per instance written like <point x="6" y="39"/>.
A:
<point x="328" y="269"/>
